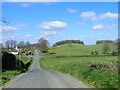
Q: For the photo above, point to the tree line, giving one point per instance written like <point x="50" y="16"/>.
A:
<point x="107" y="44"/>
<point x="104" y="41"/>
<point x="11" y="44"/>
<point x="43" y="44"/>
<point x="68" y="42"/>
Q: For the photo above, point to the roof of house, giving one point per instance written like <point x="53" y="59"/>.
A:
<point x="13" y="50"/>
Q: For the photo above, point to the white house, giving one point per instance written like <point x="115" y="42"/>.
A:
<point x="14" y="51"/>
<point x="16" y="48"/>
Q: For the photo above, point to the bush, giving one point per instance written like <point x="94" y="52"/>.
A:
<point x="20" y="64"/>
<point x="8" y="61"/>
<point x="92" y="53"/>
<point x="96" y="52"/>
<point x="115" y="53"/>
<point x="28" y="64"/>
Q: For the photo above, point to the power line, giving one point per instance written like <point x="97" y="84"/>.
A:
<point x="7" y="34"/>
<point x="6" y="23"/>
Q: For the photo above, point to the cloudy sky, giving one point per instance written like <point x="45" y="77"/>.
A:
<point x="59" y="21"/>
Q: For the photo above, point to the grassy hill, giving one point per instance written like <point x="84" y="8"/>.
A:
<point x="96" y="72"/>
<point x="78" y="49"/>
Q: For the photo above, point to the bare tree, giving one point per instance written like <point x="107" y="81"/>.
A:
<point x="43" y="45"/>
<point x="13" y="43"/>
<point x="7" y="44"/>
<point x="28" y="45"/>
<point x="106" y="47"/>
<point x="21" y="44"/>
<point x="10" y="44"/>
<point x="117" y="44"/>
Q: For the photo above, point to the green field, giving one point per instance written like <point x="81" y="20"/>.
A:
<point x="99" y="72"/>
<point x="78" y="49"/>
<point x="23" y="58"/>
<point x="80" y="68"/>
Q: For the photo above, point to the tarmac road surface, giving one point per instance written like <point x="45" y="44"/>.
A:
<point x="38" y="78"/>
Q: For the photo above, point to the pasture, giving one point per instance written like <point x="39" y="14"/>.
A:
<point x="98" y="72"/>
<point x="78" y="49"/>
<point x="102" y="75"/>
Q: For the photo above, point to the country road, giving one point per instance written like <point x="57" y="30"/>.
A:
<point x="38" y="78"/>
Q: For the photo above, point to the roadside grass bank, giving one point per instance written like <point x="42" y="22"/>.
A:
<point x="8" y="75"/>
<point x="98" y="72"/>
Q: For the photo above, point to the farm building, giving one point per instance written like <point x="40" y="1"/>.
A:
<point x="14" y="51"/>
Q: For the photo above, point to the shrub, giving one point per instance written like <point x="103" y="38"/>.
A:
<point x="92" y="53"/>
<point x="8" y="61"/>
<point x="96" y="52"/>
<point x="115" y="53"/>
<point x="20" y="64"/>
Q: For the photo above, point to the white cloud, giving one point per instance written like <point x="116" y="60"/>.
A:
<point x="98" y="27"/>
<point x="71" y="10"/>
<point x="105" y="27"/>
<point x="30" y="0"/>
<point x="8" y="28"/>
<point x="88" y="14"/>
<point x="108" y="15"/>
<point x="24" y="5"/>
<point x="54" y="25"/>
<point x="28" y="35"/>
<point x="109" y="35"/>
<point x="15" y="27"/>
<point x="111" y="27"/>
<point x="91" y="15"/>
<point x="50" y="33"/>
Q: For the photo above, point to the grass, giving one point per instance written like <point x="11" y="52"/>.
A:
<point x="23" y="57"/>
<point x="80" y="69"/>
<point x="7" y="75"/>
<point x="99" y="72"/>
<point x="78" y="49"/>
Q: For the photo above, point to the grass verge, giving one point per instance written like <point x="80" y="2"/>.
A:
<point x="98" y="72"/>
<point x="7" y="75"/>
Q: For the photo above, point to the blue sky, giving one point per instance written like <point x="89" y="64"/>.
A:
<point x="86" y="21"/>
